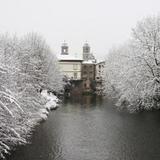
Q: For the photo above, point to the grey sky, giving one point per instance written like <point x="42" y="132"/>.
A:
<point x="103" y="23"/>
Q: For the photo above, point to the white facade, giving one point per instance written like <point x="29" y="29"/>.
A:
<point x="70" y="65"/>
<point x="71" y="69"/>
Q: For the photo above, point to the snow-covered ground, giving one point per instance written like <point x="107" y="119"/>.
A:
<point x="11" y="136"/>
<point x="52" y="103"/>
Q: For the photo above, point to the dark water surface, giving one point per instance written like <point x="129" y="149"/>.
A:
<point x="92" y="129"/>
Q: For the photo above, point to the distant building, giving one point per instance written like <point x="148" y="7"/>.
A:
<point x="71" y="68"/>
<point x="81" y="71"/>
<point x="69" y="65"/>
<point x="99" y="77"/>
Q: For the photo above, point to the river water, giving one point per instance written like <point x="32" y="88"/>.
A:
<point x="89" y="128"/>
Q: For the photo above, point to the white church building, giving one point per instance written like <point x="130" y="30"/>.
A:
<point x="69" y="65"/>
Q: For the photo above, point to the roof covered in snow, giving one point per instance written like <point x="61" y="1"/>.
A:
<point x="89" y="62"/>
<point x="101" y="62"/>
<point x="69" y="57"/>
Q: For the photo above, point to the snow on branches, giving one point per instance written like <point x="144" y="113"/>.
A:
<point x="27" y="66"/>
<point x="133" y="70"/>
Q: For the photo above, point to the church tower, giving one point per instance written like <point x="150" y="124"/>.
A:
<point x="87" y="55"/>
<point x="86" y="48"/>
<point x="86" y="51"/>
<point x="64" y="49"/>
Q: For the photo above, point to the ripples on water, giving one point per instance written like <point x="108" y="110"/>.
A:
<point x="89" y="128"/>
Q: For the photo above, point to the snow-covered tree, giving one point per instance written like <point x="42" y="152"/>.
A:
<point x="133" y="70"/>
<point x="26" y="66"/>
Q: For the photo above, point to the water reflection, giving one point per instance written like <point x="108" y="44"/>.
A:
<point x="85" y="101"/>
<point x="89" y="128"/>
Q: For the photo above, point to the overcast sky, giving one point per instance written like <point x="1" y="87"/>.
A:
<point x="103" y="23"/>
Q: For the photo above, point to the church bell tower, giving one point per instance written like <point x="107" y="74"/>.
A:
<point x="86" y="48"/>
<point x="64" y="49"/>
<point x="86" y="51"/>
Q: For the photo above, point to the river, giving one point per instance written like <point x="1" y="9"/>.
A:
<point x="90" y="128"/>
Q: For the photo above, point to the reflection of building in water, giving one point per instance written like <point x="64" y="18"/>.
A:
<point x="87" y="100"/>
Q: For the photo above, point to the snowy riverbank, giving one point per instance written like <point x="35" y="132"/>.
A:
<point x="52" y="103"/>
<point x="11" y="137"/>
